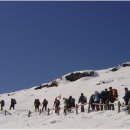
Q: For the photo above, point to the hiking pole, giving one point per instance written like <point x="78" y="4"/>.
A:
<point x="129" y="108"/>
<point x="65" y="111"/>
<point x="48" y="112"/>
<point x="5" y="112"/>
<point x="119" y="105"/>
<point x="76" y="108"/>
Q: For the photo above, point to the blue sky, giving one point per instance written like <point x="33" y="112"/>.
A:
<point x="40" y="41"/>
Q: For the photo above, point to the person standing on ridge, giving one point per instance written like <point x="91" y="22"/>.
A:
<point x="45" y="102"/>
<point x="56" y="105"/>
<point x="82" y="100"/>
<point x="13" y="103"/>
<point x="127" y="96"/>
<point x="2" y="102"/>
<point x="37" y="104"/>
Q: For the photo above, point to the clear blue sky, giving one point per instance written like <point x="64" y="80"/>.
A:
<point x="40" y="41"/>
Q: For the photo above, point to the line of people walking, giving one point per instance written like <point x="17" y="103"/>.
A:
<point x="106" y="97"/>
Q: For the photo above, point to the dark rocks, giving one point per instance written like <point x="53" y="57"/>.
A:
<point x="119" y="66"/>
<point x="75" y="76"/>
<point x="53" y="84"/>
<point x="39" y="87"/>
<point x="125" y="64"/>
<point x="11" y="94"/>
<point x="103" y="82"/>
<point x="114" y="69"/>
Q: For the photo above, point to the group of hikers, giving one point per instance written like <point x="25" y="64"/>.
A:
<point x="12" y="104"/>
<point x="103" y="100"/>
<point x="106" y="96"/>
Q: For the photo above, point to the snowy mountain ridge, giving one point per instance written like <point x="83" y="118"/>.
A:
<point x="117" y="77"/>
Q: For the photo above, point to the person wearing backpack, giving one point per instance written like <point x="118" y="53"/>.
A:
<point x="65" y="102"/>
<point x="13" y="102"/>
<point x="37" y="104"/>
<point x="56" y="105"/>
<point x="2" y="102"/>
<point x="91" y="101"/>
<point x="111" y="99"/>
<point x="45" y="102"/>
<point x="97" y="99"/>
<point x="103" y="96"/>
<point x="82" y="100"/>
<point x="70" y="103"/>
<point x="127" y="96"/>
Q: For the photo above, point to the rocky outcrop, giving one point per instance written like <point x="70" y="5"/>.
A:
<point x="125" y="64"/>
<point x="114" y="69"/>
<point x="75" y="76"/>
<point x="53" y="84"/>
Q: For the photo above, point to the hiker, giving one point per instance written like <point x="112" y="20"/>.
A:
<point x="45" y="102"/>
<point x="13" y="102"/>
<point x="127" y="96"/>
<point x="97" y="99"/>
<point x="37" y="104"/>
<point x="65" y="102"/>
<point x="111" y="99"/>
<point x="57" y="105"/>
<point x="70" y="103"/>
<point x="104" y="99"/>
<point x="102" y="96"/>
<point x="82" y="100"/>
<point x="2" y="102"/>
<point x="91" y="101"/>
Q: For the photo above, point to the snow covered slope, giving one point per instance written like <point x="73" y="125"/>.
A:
<point x="102" y="119"/>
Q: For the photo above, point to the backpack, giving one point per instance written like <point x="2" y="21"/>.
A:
<point x="45" y="102"/>
<point x="2" y="102"/>
<point x="57" y="103"/>
<point x="14" y="101"/>
<point x="129" y="93"/>
<point x="115" y="93"/>
<point x="73" y="102"/>
<point x="85" y="99"/>
<point x="66" y="101"/>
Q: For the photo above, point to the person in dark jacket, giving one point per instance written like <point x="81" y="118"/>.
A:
<point x="82" y="100"/>
<point x="91" y="101"/>
<point x="2" y="102"/>
<point x="37" y="104"/>
<point x="57" y="105"/>
<point x="97" y="99"/>
<point x="106" y="94"/>
<point x="111" y="99"/>
<point x="103" y="99"/>
<point x="45" y="102"/>
<point x="70" y="103"/>
<point x="127" y="96"/>
<point x="13" y="102"/>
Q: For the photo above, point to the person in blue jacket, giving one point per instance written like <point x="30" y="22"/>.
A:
<point x="97" y="99"/>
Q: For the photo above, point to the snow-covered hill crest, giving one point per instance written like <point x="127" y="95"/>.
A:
<point x="118" y="77"/>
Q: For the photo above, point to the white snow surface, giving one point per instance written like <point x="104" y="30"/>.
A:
<point x="87" y="85"/>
